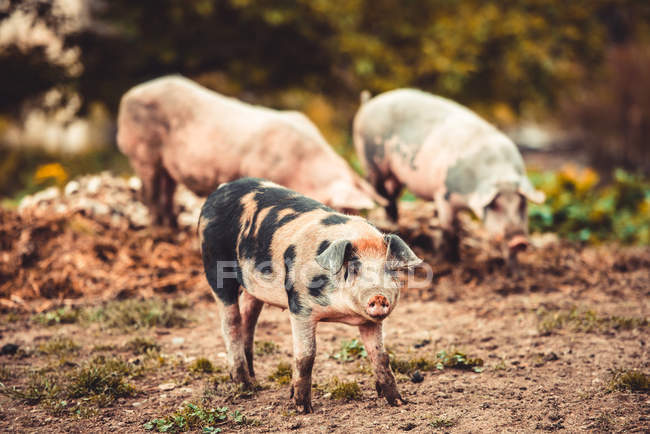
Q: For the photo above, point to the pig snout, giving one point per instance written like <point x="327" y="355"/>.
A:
<point x="517" y="243"/>
<point x="378" y="306"/>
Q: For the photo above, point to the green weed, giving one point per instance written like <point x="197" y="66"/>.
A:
<point x="350" y="351"/>
<point x="194" y="417"/>
<point x="282" y="374"/>
<point x="630" y="380"/>
<point x="64" y="315"/>
<point x="442" y="422"/>
<point x="342" y="390"/>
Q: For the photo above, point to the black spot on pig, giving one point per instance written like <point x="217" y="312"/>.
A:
<point x="461" y="178"/>
<point x="373" y="152"/>
<point x="222" y="210"/>
<point x="334" y="219"/>
<point x="322" y="247"/>
<point x="317" y="287"/>
<point x="277" y="199"/>
<point x="289" y="285"/>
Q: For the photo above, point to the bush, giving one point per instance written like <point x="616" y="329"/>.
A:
<point x="577" y="209"/>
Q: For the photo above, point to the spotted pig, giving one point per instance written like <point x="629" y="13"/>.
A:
<point x="440" y="150"/>
<point x="262" y="243"/>
<point x="176" y="131"/>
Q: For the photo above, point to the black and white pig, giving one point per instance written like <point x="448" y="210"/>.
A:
<point x="443" y="151"/>
<point x="275" y="246"/>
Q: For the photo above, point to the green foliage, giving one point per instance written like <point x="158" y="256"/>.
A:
<point x="193" y="417"/>
<point x="631" y="380"/>
<point x="458" y="360"/>
<point x="444" y="359"/>
<point x="585" y="320"/>
<point x="576" y="209"/>
<point x="282" y="373"/>
<point x="350" y="351"/>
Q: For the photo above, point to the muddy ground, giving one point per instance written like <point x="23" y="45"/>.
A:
<point x="550" y="338"/>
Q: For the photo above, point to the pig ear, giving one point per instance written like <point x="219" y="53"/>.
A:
<point x="478" y="200"/>
<point x="529" y="192"/>
<point x="399" y="255"/>
<point x="334" y="256"/>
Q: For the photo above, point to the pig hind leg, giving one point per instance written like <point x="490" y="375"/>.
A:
<point x="389" y="189"/>
<point x="448" y="218"/>
<point x="231" y="327"/>
<point x="250" y="311"/>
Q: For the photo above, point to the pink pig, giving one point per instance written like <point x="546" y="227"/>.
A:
<point x="176" y="131"/>
<point x="443" y="151"/>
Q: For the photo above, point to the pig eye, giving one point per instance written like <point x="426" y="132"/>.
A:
<point x="353" y="268"/>
<point x="494" y="206"/>
<point x="522" y="206"/>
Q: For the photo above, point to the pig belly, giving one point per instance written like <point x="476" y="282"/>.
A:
<point x="267" y="288"/>
<point x="201" y="170"/>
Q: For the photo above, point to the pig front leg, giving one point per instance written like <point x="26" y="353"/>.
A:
<point x="250" y="311"/>
<point x="304" y="353"/>
<point x="231" y="327"/>
<point x="373" y="340"/>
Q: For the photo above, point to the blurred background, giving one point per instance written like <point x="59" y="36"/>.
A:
<point x="567" y="80"/>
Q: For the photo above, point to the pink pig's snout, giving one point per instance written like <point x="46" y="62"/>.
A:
<point x="378" y="307"/>
<point x="517" y="243"/>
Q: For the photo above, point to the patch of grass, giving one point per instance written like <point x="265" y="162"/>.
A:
<point x="585" y="320"/>
<point x="629" y="380"/>
<point x="350" y="351"/>
<point x="343" y="390"/>
<point x="203" y="366"/>
<point x="264" y="348"/>
<point x="138" y="314"/>
<point x="79" y="391"/>
<point x="103" y="379"/>
<point x="458" y="360"/>
<point x="444" y="359"/>
<point x="407" y="367"/>
<point x="196" y="416"/>
<point x="140" y="345"/>
<point x="64" y="315"/>
<point x="442" y="422"/>
<point x="39" y="388"/>
<point x="282" y="374"/>
<point x="58" y="345"/>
